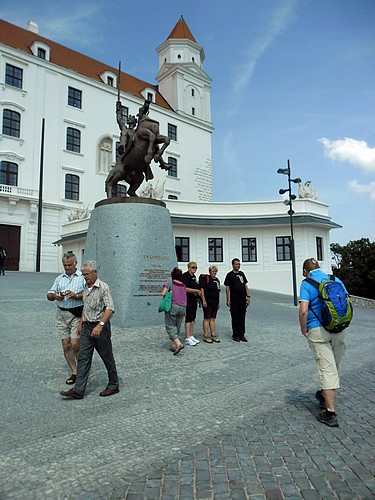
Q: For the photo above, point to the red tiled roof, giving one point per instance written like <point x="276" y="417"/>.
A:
<point x="181" y="30"/>
<point x="22" y="39"/>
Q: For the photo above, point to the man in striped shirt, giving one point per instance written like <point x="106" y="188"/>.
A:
<point x="95" y="331"/>
<point x="67" y="291"/>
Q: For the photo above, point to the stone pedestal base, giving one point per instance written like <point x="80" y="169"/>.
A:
<point x="132" y="242"/>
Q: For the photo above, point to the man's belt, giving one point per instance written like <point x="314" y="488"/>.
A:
<point x="63" y="308"/>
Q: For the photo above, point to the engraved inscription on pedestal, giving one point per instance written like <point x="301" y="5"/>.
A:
<point x="156" y="271"/>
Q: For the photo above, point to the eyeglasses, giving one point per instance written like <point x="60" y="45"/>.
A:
<point x="86" y="274"/>
<point x="193" y="267"/>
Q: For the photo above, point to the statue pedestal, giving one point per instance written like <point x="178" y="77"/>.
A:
<point x="132" y="242"/>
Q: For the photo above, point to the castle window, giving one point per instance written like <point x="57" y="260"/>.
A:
<point x="215" y="249"/>
<point x="319" y="248"/>
<point x="71" y="187"/>
<point x="110" y="81"/>
<point x="8" y="173"/>
<point x="11" y="123"/>
<point x="73" y="140"/>
<point x="41" y="53"/>
<point x="283" y="248"/>
<point x="193" y="111"/>
<point x="249" y="249"/>
<point x="74" y="97"/>
<point x="172" y="132"/>
<point x="124" y="113"/>
<point x="182" y="246"/>
<point x="13" y="76"/>
<point x="172" y="172"/>
<point x="121" y="191"/>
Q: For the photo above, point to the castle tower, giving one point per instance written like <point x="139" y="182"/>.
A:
<point x="181" y="79"/>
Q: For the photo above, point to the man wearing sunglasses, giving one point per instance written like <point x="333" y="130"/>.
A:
<point x="193" y="293"/>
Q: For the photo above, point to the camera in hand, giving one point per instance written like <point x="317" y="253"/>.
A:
<point x="62" y="294"/>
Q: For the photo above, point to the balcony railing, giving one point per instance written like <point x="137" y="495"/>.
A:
<point x="18" y="191"/>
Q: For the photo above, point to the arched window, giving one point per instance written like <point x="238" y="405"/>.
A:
<point x="71" y="187"/>
<point x="73" y="140"/>
<point x="9" y="173"/>
<point x="11" y="123"/>
<point x="105" y="155"/>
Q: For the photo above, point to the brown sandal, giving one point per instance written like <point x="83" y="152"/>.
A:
<point x="208" y="340"/>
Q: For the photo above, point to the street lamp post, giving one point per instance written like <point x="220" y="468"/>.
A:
<point x="289" y="202"/>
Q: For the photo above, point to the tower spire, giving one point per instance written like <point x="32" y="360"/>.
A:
<point x="181" y="30"/>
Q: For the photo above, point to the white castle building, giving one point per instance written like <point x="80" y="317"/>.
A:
<point x="49" y="91"/>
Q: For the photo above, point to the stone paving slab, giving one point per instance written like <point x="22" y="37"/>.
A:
<point x="217" y="421"/>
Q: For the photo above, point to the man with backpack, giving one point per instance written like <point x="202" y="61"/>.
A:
<point x="327" y="347"/>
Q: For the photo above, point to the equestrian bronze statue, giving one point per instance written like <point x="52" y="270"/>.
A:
<point x="139" y="145"/>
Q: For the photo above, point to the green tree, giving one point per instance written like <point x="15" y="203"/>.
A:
<point x="356" y="266"/>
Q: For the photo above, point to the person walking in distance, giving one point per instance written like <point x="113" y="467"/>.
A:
<point x="67" y="292"/>
<point x="3" y="256"/>
<point x="328" y="348"/>
<point x="237" y="299"/>
<point x="95" y="331"/>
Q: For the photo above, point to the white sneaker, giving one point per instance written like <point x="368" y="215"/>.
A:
<point x="194" y="339"/>
<point x="189" y="341"/>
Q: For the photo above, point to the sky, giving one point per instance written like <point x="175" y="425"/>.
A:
<point x="291" y="80"/>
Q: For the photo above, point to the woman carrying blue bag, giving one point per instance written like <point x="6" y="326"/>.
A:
<point x="174" y="317"/>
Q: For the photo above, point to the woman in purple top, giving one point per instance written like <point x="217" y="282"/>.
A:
<point x="174" y="318"/>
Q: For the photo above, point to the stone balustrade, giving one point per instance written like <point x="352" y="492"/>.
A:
<point x="362" y="302"/>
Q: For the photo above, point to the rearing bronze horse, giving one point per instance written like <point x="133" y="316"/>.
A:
<point x="134" y="164"/>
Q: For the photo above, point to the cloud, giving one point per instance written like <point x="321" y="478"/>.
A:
<point x="60" y="24"/>
<point x="279" y="21"/>
<point x="80" y="27"/>
<point x="356" y="152"/>
<point x="363" y="188"/>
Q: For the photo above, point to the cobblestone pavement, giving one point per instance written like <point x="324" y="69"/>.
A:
<point x="218" y="421"/>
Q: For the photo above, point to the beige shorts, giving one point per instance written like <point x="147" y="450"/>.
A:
<point x="328" y="350"/>
<point x="67" y="324"/>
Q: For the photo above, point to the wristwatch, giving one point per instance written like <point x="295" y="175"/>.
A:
<point x="101" y="323"/>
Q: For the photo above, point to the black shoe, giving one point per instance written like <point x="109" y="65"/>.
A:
<point x="243" y="339"/>
<point x="109" y="392"/>
<point x="328" y="418"/>
<point x="322" y="402"/>
<point x="236" y="339"/>
<point x="71" y="394"/>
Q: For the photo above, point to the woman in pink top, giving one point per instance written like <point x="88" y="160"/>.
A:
<point x="174" y="318"/>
